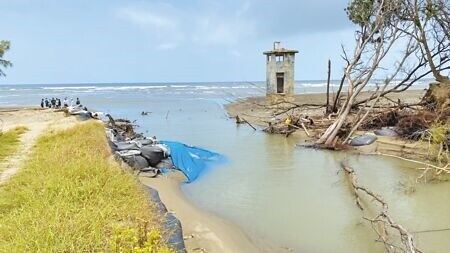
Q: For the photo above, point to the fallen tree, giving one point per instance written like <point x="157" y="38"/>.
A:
<point x="422" y="25"/>
<point x="383" y="220"/>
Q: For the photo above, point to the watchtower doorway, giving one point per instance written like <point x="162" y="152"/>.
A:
<point x="280" y="82"/>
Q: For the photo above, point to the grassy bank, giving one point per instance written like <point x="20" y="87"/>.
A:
<point x="71" y="197"/>
<point x="10" y="140"/>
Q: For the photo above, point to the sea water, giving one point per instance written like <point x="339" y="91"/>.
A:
<point x="275" y="191"/>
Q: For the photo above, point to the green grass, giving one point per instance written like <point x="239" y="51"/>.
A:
<point x="10" y="140"/>
<point x="71" y="197"/>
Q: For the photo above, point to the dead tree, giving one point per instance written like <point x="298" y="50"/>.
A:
<point x="374" y="39"/>
<point x="427" y="23"/>
<point x="328" y="108"/>
<point x="383" y="220"/>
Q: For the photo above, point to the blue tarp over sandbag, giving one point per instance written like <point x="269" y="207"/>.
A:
<point x="191" y="160"/>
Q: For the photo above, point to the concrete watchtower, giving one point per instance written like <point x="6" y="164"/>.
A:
<point x="280" y="74"/>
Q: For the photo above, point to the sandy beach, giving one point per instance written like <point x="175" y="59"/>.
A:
<point x="203" y="231"/>
<point x="38" y="122"/>
<point x="257" y="111"/>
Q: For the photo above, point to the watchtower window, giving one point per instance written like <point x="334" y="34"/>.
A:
<point x="280" y="82"/>
<point x="279" y="58"/>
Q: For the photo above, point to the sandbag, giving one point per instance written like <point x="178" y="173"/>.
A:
<point x="164" y="148"/>
<point x="84" y="115"/>
<point x="126" y="146"/>
<point x="171" y="223"/>
<point x="363" y="140"/>
<point x="114" y="136"/>
<point x="165" y="164"/>
<point x="112" y="145"/>
<point x="136" y="161"/>
<point x="149" y="172"/>
<point x="126" y="153"/>
<point x="144" y="142"/>
<point x="386" y="132"/>
<point x="154" y="197"/>
<point x="175" y="240"/>
<point x="153" y="154"/>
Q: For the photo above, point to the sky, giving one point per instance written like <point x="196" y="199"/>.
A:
<point x="120" y="41"/>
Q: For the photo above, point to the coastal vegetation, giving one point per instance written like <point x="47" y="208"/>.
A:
<point x="10" y="140"/>
<point x="70" y="196"/>
<point x="4" y="46"/>
<point x="423" y="27"/>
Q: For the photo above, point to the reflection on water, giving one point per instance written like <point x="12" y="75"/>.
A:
<point x="277" y="192"/>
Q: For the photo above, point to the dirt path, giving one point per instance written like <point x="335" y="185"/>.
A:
<point x="38" y="122"/>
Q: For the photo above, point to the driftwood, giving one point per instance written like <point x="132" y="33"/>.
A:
<point x="123" y="127"/>
<point x="382" y="221"/>
<point x="167" y="114"/>
<point x="444" y="169"/>
<point x="303" y="126"/>
<point x="242" y="120"/>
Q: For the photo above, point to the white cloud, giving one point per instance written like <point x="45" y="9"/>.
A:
<point x="207" y="26"/>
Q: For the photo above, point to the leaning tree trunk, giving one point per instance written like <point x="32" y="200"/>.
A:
<point x="330" y="134"/>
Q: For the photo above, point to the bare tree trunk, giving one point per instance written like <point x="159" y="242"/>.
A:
<point x="328" y="109"/>
<point x="338" y="94"/>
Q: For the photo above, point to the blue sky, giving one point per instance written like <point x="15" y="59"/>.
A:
<point x="61" y="41"/>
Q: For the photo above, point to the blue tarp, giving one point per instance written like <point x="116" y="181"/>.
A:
<point x="191" y="160"/>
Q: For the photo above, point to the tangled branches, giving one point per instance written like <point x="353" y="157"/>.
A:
<point x="382" y="221"/>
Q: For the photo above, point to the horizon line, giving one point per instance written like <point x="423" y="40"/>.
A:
<point x="177" y="82"/>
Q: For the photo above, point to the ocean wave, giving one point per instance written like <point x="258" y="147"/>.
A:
<point x="69" y="88"/>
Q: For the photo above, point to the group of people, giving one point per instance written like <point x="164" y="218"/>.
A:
<point x="56" y="103"/>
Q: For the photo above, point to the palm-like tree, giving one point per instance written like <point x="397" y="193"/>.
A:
<point x="4" y="46"/>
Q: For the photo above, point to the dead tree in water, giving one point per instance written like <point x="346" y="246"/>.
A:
<point x="382" y="221"/>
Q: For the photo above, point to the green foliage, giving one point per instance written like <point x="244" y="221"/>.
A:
<point x="137" y="240"/>
<point x="4" y="46"/>
<point x="360" y="11"/>
<point x="69" y="196"/>
<point x="9" y="141"/>
<point x="438" y="133"/>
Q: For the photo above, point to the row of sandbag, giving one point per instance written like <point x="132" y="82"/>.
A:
<point x="143" y="154"/>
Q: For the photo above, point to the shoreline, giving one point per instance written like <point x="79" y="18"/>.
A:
<point x="202" y="230"/>
<point x="256" y="111"/>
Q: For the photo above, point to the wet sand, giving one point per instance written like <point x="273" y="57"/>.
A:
<point x="203" y="231"/>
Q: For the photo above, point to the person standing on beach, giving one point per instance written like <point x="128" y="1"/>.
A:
<point x="53" y="101"/>
<point x="78" y="101"/>
<point x="42" y="103"/>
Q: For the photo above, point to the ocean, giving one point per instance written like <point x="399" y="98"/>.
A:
<point x="275" y="191"/>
